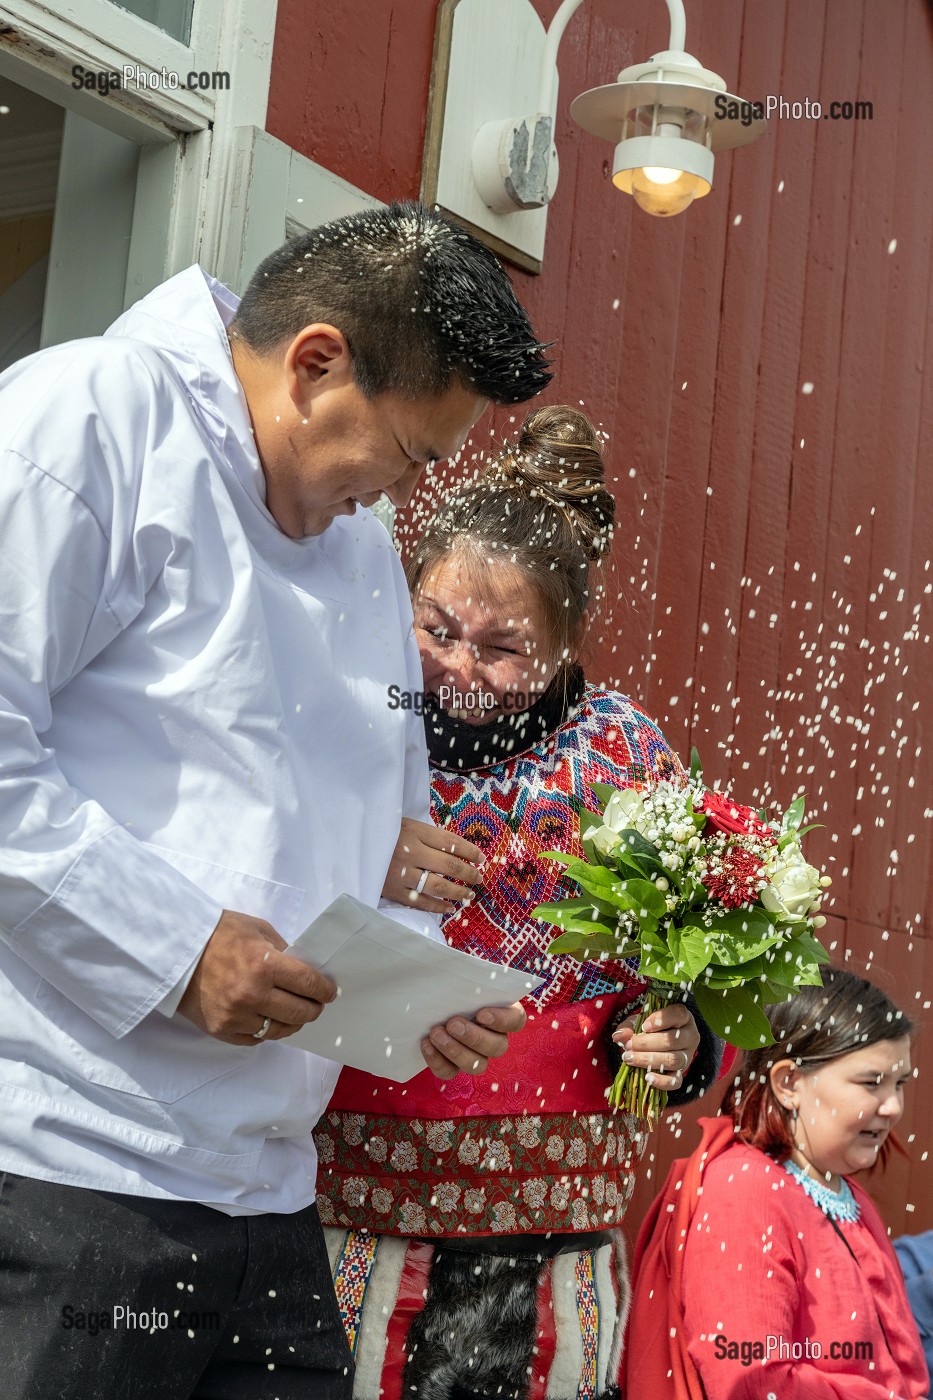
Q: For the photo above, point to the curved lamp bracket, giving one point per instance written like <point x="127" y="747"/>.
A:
<point x="490" y="157"/>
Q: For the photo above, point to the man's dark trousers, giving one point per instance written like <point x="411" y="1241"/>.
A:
<point x="113" y="1297"/>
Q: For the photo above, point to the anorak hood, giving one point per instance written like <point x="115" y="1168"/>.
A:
<point x="186" y="320"/>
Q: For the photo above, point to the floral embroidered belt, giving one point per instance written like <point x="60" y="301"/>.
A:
<point x="521" y="1175"/>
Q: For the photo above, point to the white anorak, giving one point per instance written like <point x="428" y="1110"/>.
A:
<point x="193" y="716"/>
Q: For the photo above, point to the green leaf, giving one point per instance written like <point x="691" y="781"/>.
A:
<point x="794" y="815"/>
<point x="638" y="845"/>
<point x="562" y="856"/>
<point x="591" y="948"/>
<point x="793" y="963"/>
<point x="739" y="922"/>
<point x="696" y="767"/>
<point x="738" y="974"/>
<point x="735" y="1015"/>
<point x="643" y="894"/>
<point x="603" y="884"/>
<point x="813" y="946"/>
<point x="608" y="889"/>
<point x="772" y="993"/>
<point x="657" y="960"/>
<point x="602" y="792"/>
<point x="574" y="915"/>
<point x="591" y="877"/>
<point x="690" y="950"/>
<point x="589" y="821"/>
<point x="737" y="935"/>
<point x="735" y="952"/>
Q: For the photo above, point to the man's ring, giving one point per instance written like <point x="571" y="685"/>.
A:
<point x="419" y="888"/>
<point x="263" y="1029"/>
<point x="686" y="1064"/>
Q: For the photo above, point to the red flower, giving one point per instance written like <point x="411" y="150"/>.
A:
<point x="734" y="876"/>
<point x="722" y="814"/>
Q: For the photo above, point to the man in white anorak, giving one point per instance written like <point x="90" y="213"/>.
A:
<point x="200" y="621"/>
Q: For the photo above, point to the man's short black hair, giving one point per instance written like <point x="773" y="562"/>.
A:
<point x="421" y="302"/>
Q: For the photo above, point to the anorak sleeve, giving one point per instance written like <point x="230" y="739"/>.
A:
<point x="85" y="904"/>
<point x="416" y="797"/>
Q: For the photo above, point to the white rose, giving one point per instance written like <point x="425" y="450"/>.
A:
<point x="606" y="841"/>
<point x="625" y="811"/>
<point x="793" y="884"/>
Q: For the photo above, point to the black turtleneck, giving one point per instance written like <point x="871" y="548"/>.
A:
<point x="461" y="746"/>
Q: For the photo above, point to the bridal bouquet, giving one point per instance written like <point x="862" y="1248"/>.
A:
<point x="707" y="895"/>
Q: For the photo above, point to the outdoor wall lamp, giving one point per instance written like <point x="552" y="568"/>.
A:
<point x="498" y="171"/>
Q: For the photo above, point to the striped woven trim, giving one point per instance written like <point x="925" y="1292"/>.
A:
<point x="351" y="1279"/>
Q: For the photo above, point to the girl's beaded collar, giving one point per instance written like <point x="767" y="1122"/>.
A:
<point x="840" y="1205"/>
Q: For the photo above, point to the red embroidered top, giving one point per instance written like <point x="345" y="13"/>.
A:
<point x="530" y="1146"/>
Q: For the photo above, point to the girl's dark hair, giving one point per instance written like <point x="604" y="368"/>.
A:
<point x="421" y="302"/>
<point x="815" y="1026"/>
<point x="542" y="504"/>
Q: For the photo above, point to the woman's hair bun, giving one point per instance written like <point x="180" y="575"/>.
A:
<point x="559" y="457"/>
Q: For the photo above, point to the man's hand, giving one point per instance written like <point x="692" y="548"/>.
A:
<point x="465" y="1046"/>
<point x="243" y="977"/>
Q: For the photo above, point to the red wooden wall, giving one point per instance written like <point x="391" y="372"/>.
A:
<point x="759" y="366"/>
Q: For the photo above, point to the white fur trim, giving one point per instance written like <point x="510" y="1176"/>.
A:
<point x="378" y="1307"/>
<point x="620" y="1262"/>
<point x="564" y="1376"/>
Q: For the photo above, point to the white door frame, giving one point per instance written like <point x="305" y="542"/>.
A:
<point x="187" y="139"/>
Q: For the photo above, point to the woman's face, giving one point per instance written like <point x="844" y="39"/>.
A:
<point x="481" y="633"/>
<point x="846" y="1108"/>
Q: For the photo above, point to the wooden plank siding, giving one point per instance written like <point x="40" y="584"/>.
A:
<point x="762" y="367"/>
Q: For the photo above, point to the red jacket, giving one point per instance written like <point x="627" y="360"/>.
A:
<point x="734" y="1253"/>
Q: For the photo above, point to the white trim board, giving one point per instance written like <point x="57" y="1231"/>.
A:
<point x="276" y="193"/>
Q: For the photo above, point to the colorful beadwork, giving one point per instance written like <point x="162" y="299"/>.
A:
<point x="515" y="810"/>
<point x="841" y="1206"/>
<point x="588" y="1311"/>
<point x="351" y="1279"/>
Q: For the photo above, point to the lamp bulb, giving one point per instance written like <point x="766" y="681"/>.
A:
<point x="661" y="191"/>
<point x="660" y="175"/>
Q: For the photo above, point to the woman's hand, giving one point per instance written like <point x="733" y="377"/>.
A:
<point x="463" y="1046"/>
<point x="449" y="863"/>
<point x="666" y="1045"/>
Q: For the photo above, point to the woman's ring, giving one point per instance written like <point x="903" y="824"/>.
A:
<point x="686" y="1064"/>
<point x="419" y="888"/>
<point x="263" y="1029"/>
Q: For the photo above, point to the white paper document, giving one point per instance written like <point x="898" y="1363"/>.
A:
<point x="394" y="986"/>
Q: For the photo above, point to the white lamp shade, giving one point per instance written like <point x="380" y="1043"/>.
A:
<point x="666" y="153"/>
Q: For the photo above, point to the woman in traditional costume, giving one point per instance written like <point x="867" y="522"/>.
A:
<point x="475" y="1223"/>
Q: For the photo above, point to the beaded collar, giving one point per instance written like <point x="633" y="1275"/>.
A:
<point x="841" y="1206"/>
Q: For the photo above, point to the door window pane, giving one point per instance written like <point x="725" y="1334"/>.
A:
<point x="173" y="16"/>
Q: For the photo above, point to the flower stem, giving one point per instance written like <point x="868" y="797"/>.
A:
<point x="630" y="1090"/>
